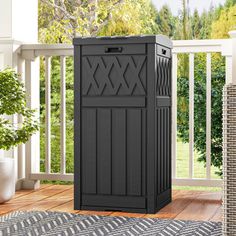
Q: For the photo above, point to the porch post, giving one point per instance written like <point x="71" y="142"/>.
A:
<point x="229" y="140"/>
<point x="18" y="25"/>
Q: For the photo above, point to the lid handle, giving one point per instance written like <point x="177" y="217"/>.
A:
<point x="163" y="51"/>
<point x="113" y="50"/>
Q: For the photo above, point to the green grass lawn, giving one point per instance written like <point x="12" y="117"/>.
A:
<point x="183" y="161"/>
<point x="199" y="168"/>
<point x="182" y="169"/>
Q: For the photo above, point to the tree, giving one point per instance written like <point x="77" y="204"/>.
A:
<point x="165" y="21"/>
<point x="133" y="17"/>
<point x="196" y="25"/>
<point x="62" y="20"/>
<point x="184" y="33"/>
<point x="225" y="23"/>
<point x="185" y="20"/>
<point x="206" y="26"/>
<point x="230" y="3"/>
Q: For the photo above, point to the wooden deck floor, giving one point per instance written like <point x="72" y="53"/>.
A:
<point x="186" y="205"/>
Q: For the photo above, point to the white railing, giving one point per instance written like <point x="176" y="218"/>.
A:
<point x="31" y="53"/>
<point x="192" y="47"/>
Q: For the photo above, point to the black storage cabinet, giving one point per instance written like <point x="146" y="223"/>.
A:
<point x="122" y="121"/>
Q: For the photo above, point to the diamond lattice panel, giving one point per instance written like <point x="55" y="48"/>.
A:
<point x="163" y="86"/>
<point x="114" y="75"/>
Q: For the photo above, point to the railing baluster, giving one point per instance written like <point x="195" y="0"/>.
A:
<point x="191" y="114"/>
<point x="63" y="114"/>
<point x="174" y="112"/>
<point x="32" y="147"/>
<point x="228" y="69"/>
<point x="48" y="113"/>
<point x="208" y="117"/>
<point x="21" y="147"/>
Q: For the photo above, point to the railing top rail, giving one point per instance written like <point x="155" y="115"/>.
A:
<point x="179" y="46"/>
<point x="200" y="42"/>
<point x="48" y="49"/>
<point x="43" y="46"/>
<point x="207" y="42"/>
<point x="197" y="46"/>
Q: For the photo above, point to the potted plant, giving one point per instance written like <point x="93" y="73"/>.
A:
<point x="12" y="102"/>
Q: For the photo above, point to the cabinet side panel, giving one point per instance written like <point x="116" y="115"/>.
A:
<point x="163" y="130"/>
<point x="151" y="131"/>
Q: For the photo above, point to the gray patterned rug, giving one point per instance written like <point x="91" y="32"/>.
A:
<point x="65" y="224"/>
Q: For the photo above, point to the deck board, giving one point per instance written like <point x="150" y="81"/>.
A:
<point x="186" y="205"/>
<point x="218" y="215"/>
<point x="181" y="200"/>
<point x="204" y="207"/>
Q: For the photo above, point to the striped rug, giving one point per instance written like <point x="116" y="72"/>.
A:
<point x="65" y="224"/>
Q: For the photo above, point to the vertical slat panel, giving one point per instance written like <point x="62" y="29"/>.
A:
<point x="174" y="113"/>
<point x="104" y="151"/>
<point x="144" y="153"/>
<point x="77" y="128"/>
<point x="119" y="151"/>
<point x="63" y="114"/>
<point x="208" y="117"/>
<point x="134" y="156"/>
<point x="191" y="114"/>
<point x="48" y="114"/>
<point x="159" y="162"/>
<point x="167" y="147"/>
<point x="89" y="164"/>
<point x="164" y="147"/>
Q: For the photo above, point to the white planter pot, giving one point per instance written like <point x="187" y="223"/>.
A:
<point x="7" y="179"/>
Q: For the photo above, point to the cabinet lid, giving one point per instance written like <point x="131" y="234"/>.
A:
<point x="158" y="39"/>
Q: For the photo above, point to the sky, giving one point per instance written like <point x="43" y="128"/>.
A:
<point x="175" y="5"/>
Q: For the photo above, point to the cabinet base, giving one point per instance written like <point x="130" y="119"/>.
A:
<point x="124" y="204"/>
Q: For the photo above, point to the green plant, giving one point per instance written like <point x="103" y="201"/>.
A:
<point x="13" y="102"/>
